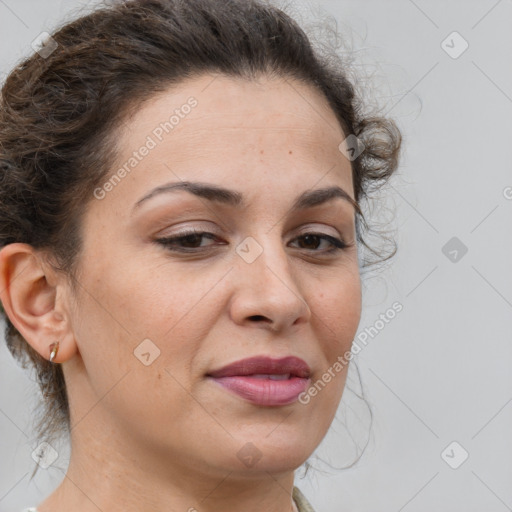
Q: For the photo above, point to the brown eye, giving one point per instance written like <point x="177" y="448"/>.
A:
<point x="189" y="241"/>
<point x="311" y="241"/>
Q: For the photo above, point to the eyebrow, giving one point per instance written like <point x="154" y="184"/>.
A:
<point x="210" y="192"/>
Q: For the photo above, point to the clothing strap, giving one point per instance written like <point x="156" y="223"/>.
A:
<point x="300" y="500"/>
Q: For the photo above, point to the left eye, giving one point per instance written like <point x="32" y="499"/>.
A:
<point x="317" y="238"/>
<point x="191" y="241"/>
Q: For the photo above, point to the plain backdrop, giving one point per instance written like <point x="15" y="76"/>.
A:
<point x="437" y="376"/>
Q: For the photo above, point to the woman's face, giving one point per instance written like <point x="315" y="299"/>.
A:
<point x="152" y="320"/>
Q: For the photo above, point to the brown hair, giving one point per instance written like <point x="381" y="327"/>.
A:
<point x="60" y="110"/>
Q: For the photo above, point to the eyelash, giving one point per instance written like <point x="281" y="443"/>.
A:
<point x="170" y="242"/>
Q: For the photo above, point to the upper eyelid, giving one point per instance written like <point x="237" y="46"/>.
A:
<point x="202" y="231"/>
<point x="342" y="218"/>
<point x="192" y="232"/>
<point x="207" y="226"/>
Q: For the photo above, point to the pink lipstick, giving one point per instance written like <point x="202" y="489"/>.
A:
<point x="265" y="381"/>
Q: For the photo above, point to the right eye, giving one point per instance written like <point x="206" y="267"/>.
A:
<point x="187" y="241"/>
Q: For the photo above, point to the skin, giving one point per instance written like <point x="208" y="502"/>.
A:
<point x="164" y="437"/>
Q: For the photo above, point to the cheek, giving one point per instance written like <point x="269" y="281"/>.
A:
<point x="122" y="324"/>
<point x="336" y="314"/>
<point x="337" y="306"/>
<point x="146" y="312"/>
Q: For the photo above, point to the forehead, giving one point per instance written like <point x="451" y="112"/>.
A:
<point x="277" y="132"/>
<point x="223" y="102"/>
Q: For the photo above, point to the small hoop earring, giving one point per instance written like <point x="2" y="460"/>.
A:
<point x="54" y="347"/>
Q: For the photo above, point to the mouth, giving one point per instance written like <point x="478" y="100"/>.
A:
<point x="263" y="367"/>
<point x="264" y="380"/>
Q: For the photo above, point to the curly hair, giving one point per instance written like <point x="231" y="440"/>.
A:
<point x="61" y="108"/>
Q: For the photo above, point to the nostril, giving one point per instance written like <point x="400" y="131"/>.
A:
<point x="257" y="317"/>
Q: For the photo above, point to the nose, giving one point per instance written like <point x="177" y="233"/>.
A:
<point x="268" y="291"/>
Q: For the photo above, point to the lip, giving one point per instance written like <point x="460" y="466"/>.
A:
<point x="244" y="379"/>
<point x="264" y="364"/>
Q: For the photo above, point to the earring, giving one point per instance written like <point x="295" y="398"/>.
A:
<point x="54" y="347"/>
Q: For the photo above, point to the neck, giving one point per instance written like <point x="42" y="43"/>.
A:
<point x="92" y="495"/>
<point x="104" y="475"/>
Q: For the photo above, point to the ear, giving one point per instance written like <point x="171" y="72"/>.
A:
<point x="33" y="296"/>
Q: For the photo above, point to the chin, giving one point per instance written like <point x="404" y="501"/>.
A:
<point x="273" y="465"/>
<point x="271" y="453"/>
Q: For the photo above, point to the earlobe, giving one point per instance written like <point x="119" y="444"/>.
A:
<point x="29" y="292"/>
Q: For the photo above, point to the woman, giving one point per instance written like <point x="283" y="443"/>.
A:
<point x="181" y="256"/>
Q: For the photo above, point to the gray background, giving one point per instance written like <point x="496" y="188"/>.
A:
<point x="439" y="371"/>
